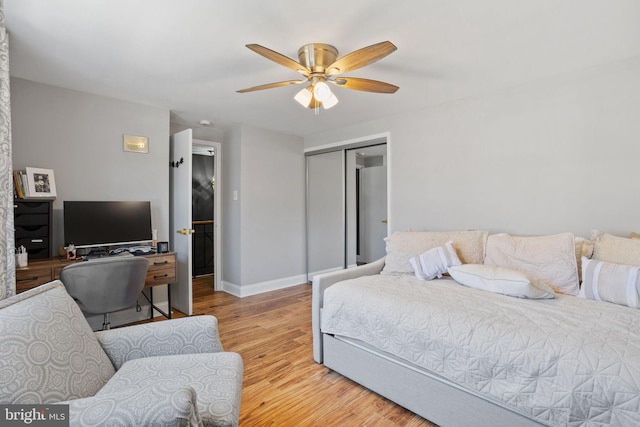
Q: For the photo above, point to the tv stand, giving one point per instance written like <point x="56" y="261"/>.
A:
<point x="162" y="271"/>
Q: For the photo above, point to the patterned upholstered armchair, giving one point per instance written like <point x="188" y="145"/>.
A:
<point x="169" y="373"/>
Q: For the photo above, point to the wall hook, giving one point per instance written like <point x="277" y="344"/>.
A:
<point x="177" y="164"/>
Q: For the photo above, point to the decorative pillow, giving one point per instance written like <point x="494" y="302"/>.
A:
<point x="635" y="236"/>
<point x="403" y="245"/>
<point x="500" y="280"/>
<point x="549" y="259"/>
<point x="621" y="250"/>
<point x="607" y="281"/>
<point x="434" y="262"/>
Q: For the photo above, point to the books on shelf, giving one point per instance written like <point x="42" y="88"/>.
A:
<point x="19" y="184"/>
<point x="34" y="183"/>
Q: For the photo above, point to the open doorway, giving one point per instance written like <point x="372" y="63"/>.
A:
<point x="206" y="212"/>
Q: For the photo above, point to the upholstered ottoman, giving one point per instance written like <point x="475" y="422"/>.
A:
<point x="215" y="377"/>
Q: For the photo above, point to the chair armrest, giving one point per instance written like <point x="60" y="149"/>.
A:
<point x="188" y="335"/>
<point x="148" y="407"/>
<point x="320" y="283"/>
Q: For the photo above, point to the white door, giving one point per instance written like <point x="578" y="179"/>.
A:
<point x="180" y="217"/>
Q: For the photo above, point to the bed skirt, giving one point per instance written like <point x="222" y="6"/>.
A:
<point x="426" y="394"/>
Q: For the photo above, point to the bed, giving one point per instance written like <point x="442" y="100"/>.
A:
<point x="459" y="355"/>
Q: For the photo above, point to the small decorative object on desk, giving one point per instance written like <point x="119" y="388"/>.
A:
<point x="22" y="259"/>
<point x="71" y="251"/>
<point x="40" y="183"/>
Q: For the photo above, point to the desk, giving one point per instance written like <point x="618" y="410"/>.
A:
<point x="162" y="271"/>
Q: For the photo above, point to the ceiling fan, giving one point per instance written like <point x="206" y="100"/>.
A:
<point x="319" y="64"/>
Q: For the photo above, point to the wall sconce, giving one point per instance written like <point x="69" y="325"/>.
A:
<point x="135" y="144"/>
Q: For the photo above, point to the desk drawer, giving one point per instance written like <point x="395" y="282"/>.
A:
<point x="160" y="276"/>
<point x="32" y="277"/>
<point x="162" y="270"/>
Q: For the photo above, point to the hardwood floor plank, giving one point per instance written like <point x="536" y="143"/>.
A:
<point x="282" y="384"/>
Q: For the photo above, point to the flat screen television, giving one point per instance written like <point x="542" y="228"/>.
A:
<point x="106" y="223"/>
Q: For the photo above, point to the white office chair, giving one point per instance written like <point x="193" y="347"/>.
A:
<point x="105" y="285"/>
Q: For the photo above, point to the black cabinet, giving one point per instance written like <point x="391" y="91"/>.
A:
<point x="32" y="220"/>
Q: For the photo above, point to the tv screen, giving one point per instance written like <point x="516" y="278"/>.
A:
<point x="106" y="223"/>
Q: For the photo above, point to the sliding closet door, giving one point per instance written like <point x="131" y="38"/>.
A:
<point x="325" y="213"/>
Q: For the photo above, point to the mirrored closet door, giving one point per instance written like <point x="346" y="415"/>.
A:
<point x="346" y="207"/>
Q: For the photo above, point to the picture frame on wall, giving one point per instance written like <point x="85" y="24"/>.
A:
<point x="40" y="183"/>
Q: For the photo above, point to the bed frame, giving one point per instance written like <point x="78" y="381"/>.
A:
<point x="417" y="389"/>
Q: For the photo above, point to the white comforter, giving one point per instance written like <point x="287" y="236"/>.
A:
<point x="566" y="361"/>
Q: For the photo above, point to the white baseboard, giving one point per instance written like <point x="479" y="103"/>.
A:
<point x="262" y="287"/>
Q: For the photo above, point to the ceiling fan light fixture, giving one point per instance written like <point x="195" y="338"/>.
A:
<point x="321" y="91"/>
<point x="304" y="97"/>
<point x="330" y="102"/>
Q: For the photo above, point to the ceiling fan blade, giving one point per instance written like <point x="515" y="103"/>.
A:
<point x="272" y="85"/>
<point x="279" y="58"/>
<point x="365" y="85"/>
<point x="361" y="57"/>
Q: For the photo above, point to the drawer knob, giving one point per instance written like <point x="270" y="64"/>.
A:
<point x="160" y="277"/>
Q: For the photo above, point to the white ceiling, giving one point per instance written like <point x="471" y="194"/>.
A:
<point x="189" y="56"/>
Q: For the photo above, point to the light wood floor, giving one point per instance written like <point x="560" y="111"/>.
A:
<point x="282" y="385"/>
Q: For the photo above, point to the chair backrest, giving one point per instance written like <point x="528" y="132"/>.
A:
<point x="48" y="351"/>
<point x="105" y="285"/>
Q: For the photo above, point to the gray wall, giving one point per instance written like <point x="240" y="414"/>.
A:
<point x="264" y="234"/>
<point x="273" y="211"/>
<point x="79" y="136"/>
<point x="231" y="209"/>
<point x="558" y="154"/>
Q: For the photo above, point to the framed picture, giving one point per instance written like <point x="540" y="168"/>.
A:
<point x="40" y="183"/>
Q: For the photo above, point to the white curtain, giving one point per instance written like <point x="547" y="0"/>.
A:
<point x="7" y="240"/>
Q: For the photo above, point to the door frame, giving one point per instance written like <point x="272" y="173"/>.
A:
<point x="217" y="210"/>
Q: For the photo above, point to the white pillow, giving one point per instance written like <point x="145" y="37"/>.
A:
<point x="607" y="281"/>
<point x="403" y="245"/>
<point x="550" y="259"/>
<point x="621" y="250"/>
<point x="500" y="280"/>
<point x="434" y="262"/>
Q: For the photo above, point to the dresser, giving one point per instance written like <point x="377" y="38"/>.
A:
<point x="33" y="224"/>
<point x="162" y="271"/>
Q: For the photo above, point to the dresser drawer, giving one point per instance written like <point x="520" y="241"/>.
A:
<point x="37" y="248"/>
<point x="31" y="277"/>
<point x="32" y="231"/>
<point x="31" y="208"/>
<point x="29" y="220"/>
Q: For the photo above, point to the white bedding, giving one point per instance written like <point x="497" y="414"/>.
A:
<point x="565" y="361"/>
